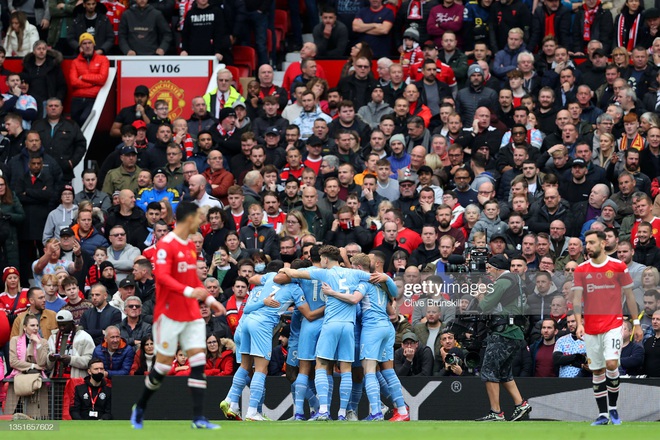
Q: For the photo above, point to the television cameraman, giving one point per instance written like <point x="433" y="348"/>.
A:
<point x="504" y="339"/>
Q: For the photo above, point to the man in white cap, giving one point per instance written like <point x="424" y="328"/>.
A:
<point x="69" y="349"/>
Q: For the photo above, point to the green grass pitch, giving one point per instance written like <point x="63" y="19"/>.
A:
<point x="180" y="430"/>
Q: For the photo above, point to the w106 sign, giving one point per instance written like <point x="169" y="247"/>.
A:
<point x="177" y="80"/>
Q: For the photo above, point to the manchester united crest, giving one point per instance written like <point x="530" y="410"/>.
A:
<point x="170" y="92"/>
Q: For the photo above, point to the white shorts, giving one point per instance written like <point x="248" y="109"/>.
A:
<point x="169" y="334"/>
<point x="603" y="347"/>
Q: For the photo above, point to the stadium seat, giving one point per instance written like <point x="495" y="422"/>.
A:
<point x="282" y="24"/>
<point x="245" y="56"/>
<point x="238" y="73"/>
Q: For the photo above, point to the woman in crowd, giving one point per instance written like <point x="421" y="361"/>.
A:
<point x="398" y="263"/>
<point x="166" y="213"/>
<point x="14" y="298"/>
<point x="145" y="357"/>
<point x="319" y="87"/>
<point x="295" y="226"/>
<point x="260" y="260"/>
<point x="220" y="356"/>
<point x="605" y="150"/>
<point x="359" y="50"/>
<point x="222" y="269"/>
<point x="628" y="24"/>
<point x="11" y="215"/>
<point x="21" y="35"/>
<point x="621" y="58"/>
<point x="647" y="121"/>
<point x="28" y="353"/>
<point x="236" y="252"/>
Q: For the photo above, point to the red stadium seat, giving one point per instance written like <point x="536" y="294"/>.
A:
<point x="245" y="56"/>
<point x="282" y="24"/>
<point x="237" y="74"/>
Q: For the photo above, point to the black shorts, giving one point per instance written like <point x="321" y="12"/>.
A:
<point x="498" y="358"/>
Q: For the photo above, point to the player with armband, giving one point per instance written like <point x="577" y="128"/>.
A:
<point x="177" y="319"/>
<point x="599" y="283"/>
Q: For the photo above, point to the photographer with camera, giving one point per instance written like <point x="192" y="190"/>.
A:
<point x="449" y="361"/>
<point x="505" y="338"/>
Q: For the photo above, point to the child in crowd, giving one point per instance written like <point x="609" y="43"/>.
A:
<point x="180" y="365"/>
<point x="94" y="274"/>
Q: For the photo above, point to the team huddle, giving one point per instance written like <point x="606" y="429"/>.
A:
<point x="327" y="298"/>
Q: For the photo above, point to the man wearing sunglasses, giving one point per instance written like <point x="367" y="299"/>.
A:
<point x="132" y="327"/>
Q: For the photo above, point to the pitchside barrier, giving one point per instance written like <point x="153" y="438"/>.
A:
<point x="442" y="398"/>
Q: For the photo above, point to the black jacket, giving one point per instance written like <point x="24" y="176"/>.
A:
<point x="356" y="90"/>
<point x="104" y="35"/>
<point x="648" y="255"/>
<point x="602" y="29"/>
<point x="65" y="142"/>
<point x="95" y="322"/>
<point x="562" y="26"/>
<point x="47" y="80"/>
<point x="82" y="401"/>
<point x="204" y="32"/>
<point x="422" y="364"/>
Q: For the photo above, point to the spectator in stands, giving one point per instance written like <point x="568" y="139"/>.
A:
<point x="89" y="72"/>
<point x="95" y="320"/>
<point x="372" y="25"/>
<point x="62" y="216"/>
<point x="330" y="36"/>
<point x="116" y="355"/>
<point x="13" y="215"/>
<point x="632" y="353"/>
<point x="86" y="234"/>
<point x="120" y="253"/>
<point x="223" y="96"/>
<point x="46" y="322"/>
<point x="219" y="178"/>
<point x="18" y="101"/>
<point x="267" y="88"/>
<point x="200" y="120"/>
<point x="126" y="175"/>
<point x="91" y="14"/>
<point x="446" y="16"/>
<point x="144" y="279"/>
<point x="162" y="109"/>
<point x="542" y="351"/>
<point x="204" y="32"/>
<point x="592" y="22"/>
<point x="22" y="33"/>
<point x="198" y="192"/>
<point x="158" y="192"/>
<point x="67" y="356"/>
<point x="43" y="72"/>
<point x="474" y="95"/>
<point x="308" y="51"/>
<point x="133" y="328"/>
<point x="411" y="359"/>
<point x="358" y="87"/>
<point x="90" y="192"/>
<point x="61" y="138"/>
<point x="141" y="111"/>
<point x="144" y="31"/>
<point x="652" y="348"/>
<point x="552" y="18"/>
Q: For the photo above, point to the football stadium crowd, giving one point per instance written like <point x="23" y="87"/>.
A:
<point x="456" y="132"/>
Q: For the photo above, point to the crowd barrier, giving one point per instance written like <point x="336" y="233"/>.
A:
<point x="436" y="398"/>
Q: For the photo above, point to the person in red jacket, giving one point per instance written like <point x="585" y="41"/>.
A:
<point x="180" y="365"/>
<point x="220" y="356"/>
<point x="89" y="71"/>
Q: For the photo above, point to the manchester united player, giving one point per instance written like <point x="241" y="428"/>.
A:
<point x="177" y="319"/>
<point x="601" y="280"/>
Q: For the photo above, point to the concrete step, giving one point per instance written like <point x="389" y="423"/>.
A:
<point x="292" y="57"/>
<point x="278" y="77"/>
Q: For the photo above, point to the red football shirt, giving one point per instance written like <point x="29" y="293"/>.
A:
<point x="7" y="302"/>
<point x="601" y="287"/>
<point x="655" y="232"/>
<point x="176" y="269"/>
